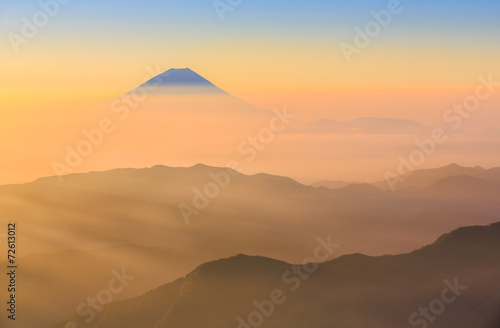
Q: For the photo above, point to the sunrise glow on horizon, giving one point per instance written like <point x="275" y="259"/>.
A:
<point x="269" y="54"/>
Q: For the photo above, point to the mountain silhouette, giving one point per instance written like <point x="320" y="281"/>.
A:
<point x="421" y="179"/>
<point x="153" y="196"/>
<point x="260" y="214"/>
<point x="353" y="291"/>
<point x="181" y="80"/>
<point x="338" y="184"/>
<point x="465" y="184"/>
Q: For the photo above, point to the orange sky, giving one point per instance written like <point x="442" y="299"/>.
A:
<point x="89" y="55"/>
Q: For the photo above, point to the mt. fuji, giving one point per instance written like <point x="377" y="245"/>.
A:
<point x="181" y="80"/>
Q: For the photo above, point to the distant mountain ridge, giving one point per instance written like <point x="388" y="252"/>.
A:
<point x="338" y="184"/>
<point x="421" y="179"/>
<point x="157" y="192"/>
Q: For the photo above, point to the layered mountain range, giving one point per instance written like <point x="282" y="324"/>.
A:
<point x="159" y="224"/>
<point x="77" y="232"/>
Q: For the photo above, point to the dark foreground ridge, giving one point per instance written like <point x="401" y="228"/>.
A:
<point x="451" y="283"/>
